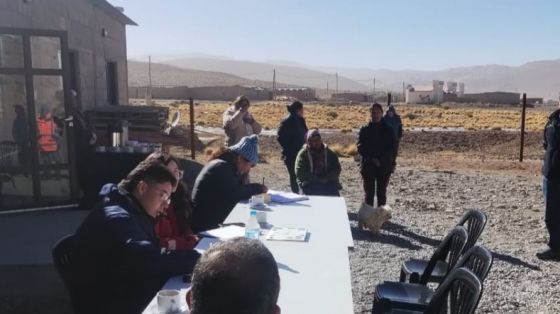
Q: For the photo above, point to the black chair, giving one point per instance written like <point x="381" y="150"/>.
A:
<point x="62" y="254"/>
<point x="443" y="259"/>
<point x="460" y="293"/>
<point x="474" y="221"/>
<point x="407" y="295"/>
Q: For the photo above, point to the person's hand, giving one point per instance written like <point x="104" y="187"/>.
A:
<point x="93" y="139"/>
<point x="376" y="162"/>
<point x="264" y="189"/>
<point x="171" y="245"/>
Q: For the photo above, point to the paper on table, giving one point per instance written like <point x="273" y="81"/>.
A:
<point x="287" y="234"/>
<point x="205" y="243"/>
<point x="285" y="197"/>
<point x="225" y="233"/>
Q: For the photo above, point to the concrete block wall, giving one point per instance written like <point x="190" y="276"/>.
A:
<point x="83" y="23"/>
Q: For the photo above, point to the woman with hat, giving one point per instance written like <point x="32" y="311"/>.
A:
<point x="219" y="186"/>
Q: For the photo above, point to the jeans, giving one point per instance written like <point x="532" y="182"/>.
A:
<point x="376" y="183"/>
<point x="551" y="189"/>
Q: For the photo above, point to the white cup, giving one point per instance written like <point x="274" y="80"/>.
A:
<point x="261" y="217"/>
<point x="256" y="200"/>
<point x="169" y="302"/>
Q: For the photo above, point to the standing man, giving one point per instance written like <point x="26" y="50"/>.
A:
<point x="376" y="145"/>
<point x="20" y="135"/>
<point x="551" y="186"/>
<point x="48" y="135"/>
<point x="238" y="122"/>
<point x="291" y="136"/>
<point x="317" y="167"/>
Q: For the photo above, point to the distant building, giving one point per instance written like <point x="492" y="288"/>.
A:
<point x="223" y="93"/>
<point x="299" y="93"/>
<point x="355" y="97"/>
<point x="425" y="95"/>
<point x="499" y="98"/>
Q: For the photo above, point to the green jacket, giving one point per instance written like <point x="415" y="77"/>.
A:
<point x="304" y="168"/>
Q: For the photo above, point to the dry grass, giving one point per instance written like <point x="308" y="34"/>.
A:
<point x="347" y="117"/>
<point x="341" y="150"/>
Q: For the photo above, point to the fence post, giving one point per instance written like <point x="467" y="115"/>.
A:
<point x="191" y="112"/>
<point x="389" y="99"/>
<point x="523" y="127"/>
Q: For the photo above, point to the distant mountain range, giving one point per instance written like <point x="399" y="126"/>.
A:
<point x="537" y="79"/>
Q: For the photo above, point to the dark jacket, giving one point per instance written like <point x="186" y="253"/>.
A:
<point x="304" y="167"/>
<point x="551" y="164"/>
<point x="120" y="261"/>
<point x="291" y="135"/>
<point x="217" y="189"/>
<point x="395" y="123"/>
<point x="377" y="141"/>
<point x="19" y="130"/>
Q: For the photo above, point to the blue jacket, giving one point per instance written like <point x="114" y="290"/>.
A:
<point x="120" y="261"/>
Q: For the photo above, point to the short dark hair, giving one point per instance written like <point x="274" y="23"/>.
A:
<point x="236" y="276"/>
<point x="149" y="171"/>
<point x="295" y="107"/>
<point x="376" y="105"/>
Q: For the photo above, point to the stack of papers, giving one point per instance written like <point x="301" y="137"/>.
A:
<point x="287" y="234"/>
<point x="206" y="243"/>
<point x="285" y="197"/>
<point x="225" y="233"/>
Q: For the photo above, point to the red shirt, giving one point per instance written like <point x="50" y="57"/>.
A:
<point x="166" y="229"/>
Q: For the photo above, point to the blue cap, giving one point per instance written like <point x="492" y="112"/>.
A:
<point x="248" y="148"/>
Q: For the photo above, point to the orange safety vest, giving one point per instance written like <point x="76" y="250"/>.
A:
<point x="46" y="129"/>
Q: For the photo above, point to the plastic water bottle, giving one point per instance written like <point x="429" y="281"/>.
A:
<point x="252" y="228"/>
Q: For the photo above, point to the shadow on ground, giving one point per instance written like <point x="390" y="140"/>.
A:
<point x="32" y="289"/>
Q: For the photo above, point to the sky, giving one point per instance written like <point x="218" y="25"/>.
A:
<point x="375" y="34"/>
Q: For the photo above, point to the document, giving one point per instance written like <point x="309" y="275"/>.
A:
<point x="225" y="233"/>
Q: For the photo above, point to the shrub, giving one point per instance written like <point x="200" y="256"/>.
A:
<point x="410" y="116"/>
<point x="332" y="114"/>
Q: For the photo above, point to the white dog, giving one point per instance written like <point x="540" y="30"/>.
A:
<point x="373" y="218"/>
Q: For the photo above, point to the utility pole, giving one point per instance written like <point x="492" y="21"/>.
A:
<point x="337" y="83"/>
<point x="273" y="83"/>
<point x="523" y="127"/>
<point x="374" y="89"/>
<point x="149" y="89"/>
<point x="328" y="90"/>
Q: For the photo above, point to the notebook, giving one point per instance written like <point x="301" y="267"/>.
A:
<point x="287" y="234"/>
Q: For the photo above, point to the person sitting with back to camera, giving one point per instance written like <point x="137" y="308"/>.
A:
<point x="236" y="276"/>
<point x="219" y="185"/>
<point x="317" y="167"/>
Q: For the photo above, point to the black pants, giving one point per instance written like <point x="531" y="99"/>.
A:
<point x="290" y="162"/>
<point x="375" y="184"/>
<point x="551" y="189"/>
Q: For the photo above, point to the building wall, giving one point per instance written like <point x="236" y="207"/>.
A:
<point x="83" y="23"/>
<point x="358" y="97"/>
<point x="494" y="98"/>
<point x="419" y="97"/>
<point x="303" y="94"/>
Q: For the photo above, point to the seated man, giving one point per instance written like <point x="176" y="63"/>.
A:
<point x="116" y="252"/>
<point x="237" y="276"/>
<point x="317" y="167"/>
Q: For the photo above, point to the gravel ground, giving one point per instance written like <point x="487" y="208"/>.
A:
<point x="426" y="204"/>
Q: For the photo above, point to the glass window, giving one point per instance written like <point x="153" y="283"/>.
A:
<point x="11" y="51"/>
<point x="16" y="181"/>
<point x="46" y="52"/>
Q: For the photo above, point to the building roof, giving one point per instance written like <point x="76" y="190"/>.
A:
<point x="114" y="12"/>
